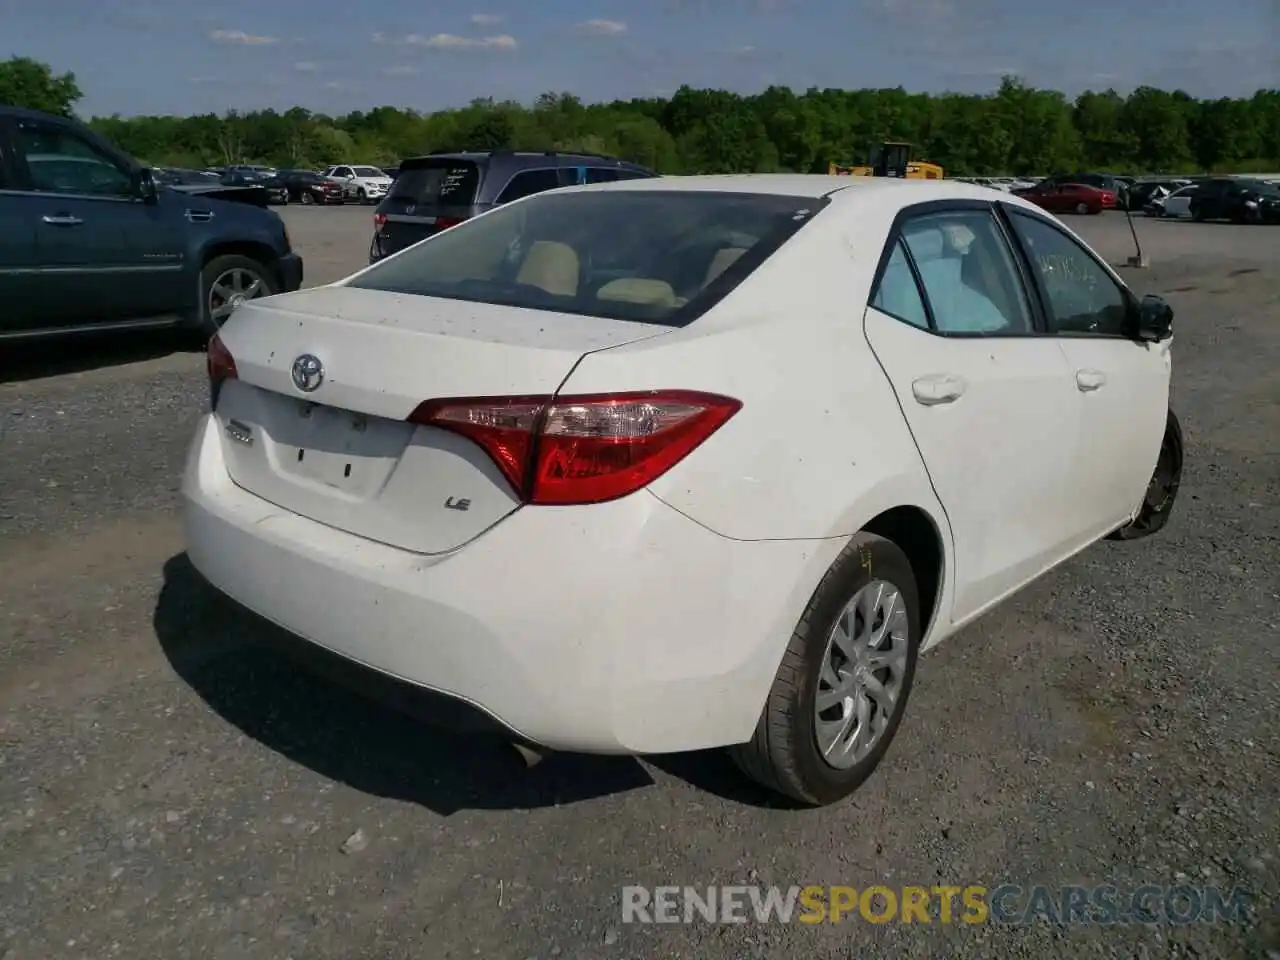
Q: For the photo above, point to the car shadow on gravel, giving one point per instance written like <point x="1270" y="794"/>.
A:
<point x="244" y="668"/>
<point x="68" y="355"/>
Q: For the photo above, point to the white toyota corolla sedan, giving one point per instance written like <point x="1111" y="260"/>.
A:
<point x="670" y="464"/>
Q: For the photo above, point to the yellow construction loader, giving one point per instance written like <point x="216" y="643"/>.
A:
<point x="890" y="159"/>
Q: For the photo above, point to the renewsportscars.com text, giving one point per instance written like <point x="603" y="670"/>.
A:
<point x="970" y="904"/>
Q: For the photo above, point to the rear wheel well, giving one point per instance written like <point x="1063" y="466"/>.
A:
<point x="261" y="252"/>
<point x="916" y="535"/>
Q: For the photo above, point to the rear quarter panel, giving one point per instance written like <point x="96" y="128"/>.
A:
<point x="820" y="445"/>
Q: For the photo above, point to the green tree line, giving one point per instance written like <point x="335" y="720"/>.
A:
<point x="1017" y="129"/>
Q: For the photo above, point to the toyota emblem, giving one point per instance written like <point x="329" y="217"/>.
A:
<point x="308" y="373"/>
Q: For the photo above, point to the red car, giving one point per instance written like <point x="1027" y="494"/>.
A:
<point x="1069" y="197"/>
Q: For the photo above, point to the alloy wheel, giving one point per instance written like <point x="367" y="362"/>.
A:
<point x="862" y="674"/>
<point x="231" y="289"/>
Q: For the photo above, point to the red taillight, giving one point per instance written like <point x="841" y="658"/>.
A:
<point x="444" y="223"/>
<point x="583" y="449"/>
<point x="221" y="366"/>
<point x="379" y="221"/>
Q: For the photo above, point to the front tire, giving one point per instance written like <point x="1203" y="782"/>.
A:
<point x="842" y="688"/>
<point x="1162" y="490"/>
<point x="362" y="196"/>
<point x="228" y="281"/>
<point x="306" y="198"/>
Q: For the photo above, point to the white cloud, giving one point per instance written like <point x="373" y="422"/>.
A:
<point x="450" y="41"/>
<point x="486" y="19"/>
<point x="379" y="37"/>
<point x="307" y="66"/>
<point x="242" y="38"/>
<point x="401" y="70"/>
<point x="602" y="28"/>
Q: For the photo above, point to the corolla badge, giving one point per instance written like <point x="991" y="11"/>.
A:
<point x="308" y="373"/>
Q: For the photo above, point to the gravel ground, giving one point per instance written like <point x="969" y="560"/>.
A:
<point x="170" y="787"/>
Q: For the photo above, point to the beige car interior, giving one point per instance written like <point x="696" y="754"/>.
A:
<point x="555" y="267"/>
<point x="552" y="267"/>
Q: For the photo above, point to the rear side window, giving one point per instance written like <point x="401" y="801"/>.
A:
<point x="662" y="257"/>
<point x="529" y="182"/>
<point x="443" y="183"/>
<point x="898" y="294"/>
<point x="969" y="275"/>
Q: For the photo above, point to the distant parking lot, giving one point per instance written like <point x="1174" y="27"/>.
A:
<point x="170" y="787"/>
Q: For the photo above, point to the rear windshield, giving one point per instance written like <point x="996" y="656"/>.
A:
<point x="445" y="183"/>
<point x="651" y="256"/>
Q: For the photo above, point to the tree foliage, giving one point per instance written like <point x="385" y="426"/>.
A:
<point x="28" y="83"/>
<point x="1017" y="129"/>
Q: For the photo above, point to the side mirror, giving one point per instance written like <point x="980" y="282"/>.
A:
<point x="144" y="185"/>
<point x="1155" y="319"/>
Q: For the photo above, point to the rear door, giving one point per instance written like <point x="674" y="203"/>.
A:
<point x="430" y="194"/>
<point x="104" y="255"/>
<point x="1121" y="384"/>
<point x="989" y="399"/>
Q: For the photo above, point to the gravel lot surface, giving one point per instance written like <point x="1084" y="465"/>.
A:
<point x="170" y="788"/>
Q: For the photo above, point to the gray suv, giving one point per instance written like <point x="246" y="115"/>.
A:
<point x="439" y="190"/>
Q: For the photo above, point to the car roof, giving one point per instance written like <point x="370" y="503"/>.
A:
<point x="809" y="185"/>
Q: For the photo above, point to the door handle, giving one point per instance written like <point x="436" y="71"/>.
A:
<point x="937" y="389"/>
<point x="1089" y="380"/>
<point x="62" y="220"/>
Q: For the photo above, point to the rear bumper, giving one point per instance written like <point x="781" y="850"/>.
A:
<point x="290" y="266"/>
<point x="617" y="628"/>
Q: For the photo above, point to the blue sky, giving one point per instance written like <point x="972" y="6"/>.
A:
<point x="181" y="56"/>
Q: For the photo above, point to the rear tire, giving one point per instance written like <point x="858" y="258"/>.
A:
<point x="784" y="753"/>
<point x="1162" y="491"/>
<point x="1082" y="208"/>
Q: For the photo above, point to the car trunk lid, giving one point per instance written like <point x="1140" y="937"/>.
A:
<point x="343" y="453"/>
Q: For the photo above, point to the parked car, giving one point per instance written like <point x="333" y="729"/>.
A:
<point x="1118" y="187"/>
<point x="182" y="177"/>
<point x="441" y="189"/>
<point x="91" y="242"/>
<point x="277" y="191"/>
<point x="634" y="444"/>
<point x="1238" y="199"/>
<point x="307" y="186"/>
<point x="362" y="183"/>
<point x="250" y="171"/>
<point x="1061" y="197"/>
<point x="1142" y="191"/>
<point x="1177" y="206"/>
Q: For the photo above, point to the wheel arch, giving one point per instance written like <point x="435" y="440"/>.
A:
<point x="919" y="536"/>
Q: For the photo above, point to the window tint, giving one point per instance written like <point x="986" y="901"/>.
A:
<point x="650" y="256"/>
<point x="529" y="182"/>
<point x="369" y="172"/>
<point x="342" y="172"/>
<point x="442" y="182"/>
<point x="1082" y="297"/>
<point x="59" y="161"/>
<point x="969" y="275"/>
<point x="897" y="294"/>
<point x="601" y="174"/>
